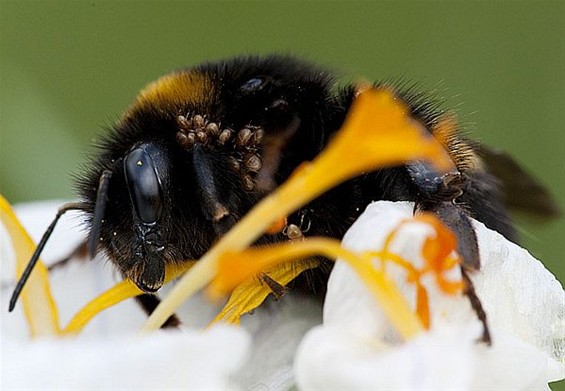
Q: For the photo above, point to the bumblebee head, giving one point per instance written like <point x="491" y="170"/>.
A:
<point x="194" y="152"/>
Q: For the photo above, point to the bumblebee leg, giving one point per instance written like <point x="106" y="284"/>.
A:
<point x="149" y="303"/>
<point x="437" y="194"/>
<point x="277" y="289"/>
<point x="99" y="209"/>
<point x="477" y="306"/>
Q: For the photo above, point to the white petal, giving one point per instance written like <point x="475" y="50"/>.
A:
<point x="188" y="360"/>
<point x="277" y="329"/>
<point x="350" y="303"/>
<point x="521" y="296"/>
<point x="357" y="348"/>
<point x="446" y="358"/>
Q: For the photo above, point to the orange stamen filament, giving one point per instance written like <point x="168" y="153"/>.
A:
<point x="422" y="305"/>
<point x="437" y="256"/>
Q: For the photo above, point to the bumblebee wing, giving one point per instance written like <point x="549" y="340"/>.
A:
<point x="522" y="192"/>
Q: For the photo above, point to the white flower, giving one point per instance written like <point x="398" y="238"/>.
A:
<point x="110" y="354"/>
<point x="357" y="348"/>
<point x="189" y="360"/>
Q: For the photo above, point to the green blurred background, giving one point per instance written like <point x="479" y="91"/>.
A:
<point x="69" y="68"/>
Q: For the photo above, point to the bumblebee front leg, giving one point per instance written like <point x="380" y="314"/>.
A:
<point x="149" y="302"/>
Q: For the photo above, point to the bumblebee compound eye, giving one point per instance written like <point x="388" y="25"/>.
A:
<point x="144" y="184"/>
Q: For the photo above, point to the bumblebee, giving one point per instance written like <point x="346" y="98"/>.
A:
<point x="199" y="147"/>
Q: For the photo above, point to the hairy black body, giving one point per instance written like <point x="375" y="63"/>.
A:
<point x="200" y="147"/>
<point x="298" y="107"/>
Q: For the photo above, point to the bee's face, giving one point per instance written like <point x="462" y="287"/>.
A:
<point x="196" y="150"/>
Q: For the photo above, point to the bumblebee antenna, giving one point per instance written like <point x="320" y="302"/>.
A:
<point x="99" y="209"/>
<point x="33" y="261"/>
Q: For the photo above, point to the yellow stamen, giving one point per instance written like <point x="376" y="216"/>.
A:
<point x="39" y="307"/>
<point x="378" y="132"/>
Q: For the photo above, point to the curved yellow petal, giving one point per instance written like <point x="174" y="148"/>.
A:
<point x="251" y="293"/>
